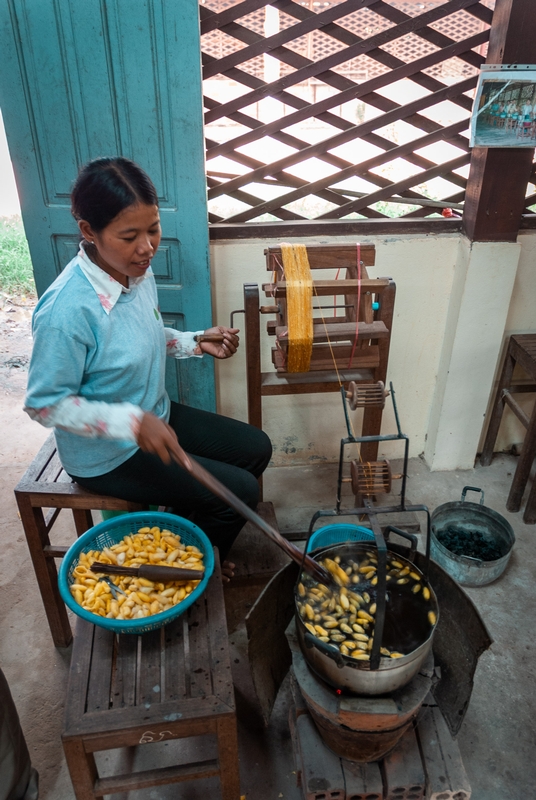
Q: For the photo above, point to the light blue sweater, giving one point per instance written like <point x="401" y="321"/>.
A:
<point x="80" y="350"/>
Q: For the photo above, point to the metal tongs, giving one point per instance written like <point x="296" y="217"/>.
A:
<point x="316" y="570"/>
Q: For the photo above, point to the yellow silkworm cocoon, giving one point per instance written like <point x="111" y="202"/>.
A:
<point x="109" y="554"/>
<point x="143" y="597"/>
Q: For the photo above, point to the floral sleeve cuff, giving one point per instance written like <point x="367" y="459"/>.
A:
<point x="182" y="344"/>
<point x="91" y="419"/>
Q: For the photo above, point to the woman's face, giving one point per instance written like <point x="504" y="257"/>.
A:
<point x="127" y="244"/>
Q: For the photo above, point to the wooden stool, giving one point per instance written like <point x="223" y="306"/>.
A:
<point x="522" y="351"/>
<point x="45" y="484"/>
<point x="131" y="690"/>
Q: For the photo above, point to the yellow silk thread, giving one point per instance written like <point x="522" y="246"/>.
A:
<point x="299" y="306"/>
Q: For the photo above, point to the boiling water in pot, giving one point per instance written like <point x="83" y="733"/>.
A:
<point x="345" y="617"/>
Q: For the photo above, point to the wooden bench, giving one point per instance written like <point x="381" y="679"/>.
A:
<point x="45" y="485"/>
<point x="132" y="690"/>
<point x="521" y="350"/>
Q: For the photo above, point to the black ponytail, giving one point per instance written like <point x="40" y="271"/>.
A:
<point x="107" y="186"/>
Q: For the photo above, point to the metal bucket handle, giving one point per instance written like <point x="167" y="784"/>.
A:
<point x="473" y="489"/>
<point x="405" y="535"/>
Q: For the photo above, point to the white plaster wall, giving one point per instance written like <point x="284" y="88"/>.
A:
<point x="309" y="427"/>
<point x="479" y="304"/>
<point x="521" y="319"/>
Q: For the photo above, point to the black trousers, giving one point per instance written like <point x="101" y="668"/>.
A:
<point x="234" y="452"/>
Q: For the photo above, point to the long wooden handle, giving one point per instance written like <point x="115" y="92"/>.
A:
<point x="216" y="487"/>
<point x="152" y="572"/>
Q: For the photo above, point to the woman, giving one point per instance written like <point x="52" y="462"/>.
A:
<point x="98" y="363"/>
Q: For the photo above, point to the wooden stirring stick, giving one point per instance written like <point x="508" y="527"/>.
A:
<point x="152" y="572"/>
<point x="310" y="566"/>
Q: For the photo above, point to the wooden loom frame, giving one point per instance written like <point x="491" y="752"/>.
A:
<point x="371" y="357"/>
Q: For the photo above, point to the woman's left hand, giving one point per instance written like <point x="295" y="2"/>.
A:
<point x="224" y="349"/>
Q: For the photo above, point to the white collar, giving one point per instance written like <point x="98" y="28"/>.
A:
<point x="107" y="289"/>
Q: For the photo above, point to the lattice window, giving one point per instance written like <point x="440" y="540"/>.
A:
<point x="339" y="109"/>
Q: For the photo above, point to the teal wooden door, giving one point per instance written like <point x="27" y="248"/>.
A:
<point x="80" y="80"/>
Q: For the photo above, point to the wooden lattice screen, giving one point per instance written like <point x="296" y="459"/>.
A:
<point x="339" y="110"/>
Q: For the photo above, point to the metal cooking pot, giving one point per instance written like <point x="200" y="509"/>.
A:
<point x="403" y="619"/>
<point x="468" y="516"/>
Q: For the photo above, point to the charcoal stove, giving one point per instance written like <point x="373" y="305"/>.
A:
<point x="332" y="732"/>
<point x="359" y="728"/>
<point x="394" y="746"/>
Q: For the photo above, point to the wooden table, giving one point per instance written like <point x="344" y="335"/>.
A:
<point x="45" y="485"/>
<point x="521" y="350"/>
<point x="132" y="690"/>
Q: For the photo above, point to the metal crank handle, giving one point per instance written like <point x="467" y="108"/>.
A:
<point x="204" y="477"/>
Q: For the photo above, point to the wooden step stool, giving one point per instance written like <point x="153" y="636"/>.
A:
<point x="522" y="351"/>
<point x="167" y="684"/>
<point x="45" y="485"/>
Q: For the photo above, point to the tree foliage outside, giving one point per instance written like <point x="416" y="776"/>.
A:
<point x="16" y="274"/>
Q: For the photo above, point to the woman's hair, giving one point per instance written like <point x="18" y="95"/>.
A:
<point x="107" y="186"/>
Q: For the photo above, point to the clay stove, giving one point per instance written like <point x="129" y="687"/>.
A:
<point x="394" y="747"/>
<point x="425" y="763"/>
<point x="387" y="747"/>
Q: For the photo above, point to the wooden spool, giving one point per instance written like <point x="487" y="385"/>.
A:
<point x="370" y="478"/>
<point x="366" y="395"/>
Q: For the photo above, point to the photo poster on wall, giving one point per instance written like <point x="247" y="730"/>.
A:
<point x="504" y="111"/>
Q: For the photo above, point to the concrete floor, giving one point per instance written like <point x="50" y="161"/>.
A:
<point x="497" y="738"/>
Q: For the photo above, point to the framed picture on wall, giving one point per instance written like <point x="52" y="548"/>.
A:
<point x="504" y="111"/>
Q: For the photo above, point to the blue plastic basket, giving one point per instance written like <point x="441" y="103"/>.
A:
<point x="111" y="532"/>
<point x="335" y="534"/>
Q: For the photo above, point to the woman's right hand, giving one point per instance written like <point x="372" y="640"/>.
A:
<point x="156" y="436"/>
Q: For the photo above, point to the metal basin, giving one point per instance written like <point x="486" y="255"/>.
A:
<point x="354" y="676"/>
<point x="465" y="515"/>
